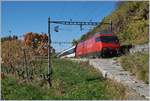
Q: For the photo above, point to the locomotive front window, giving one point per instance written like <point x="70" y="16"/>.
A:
<point x="107" y="39"/>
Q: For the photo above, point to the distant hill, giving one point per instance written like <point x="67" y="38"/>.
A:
<point x="130" y="23"/>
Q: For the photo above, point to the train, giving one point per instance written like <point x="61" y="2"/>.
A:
<point x="99" y="45"/>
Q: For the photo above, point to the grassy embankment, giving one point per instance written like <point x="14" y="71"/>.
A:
<point x="137" y="64"/>
<point x="70" y="81"/>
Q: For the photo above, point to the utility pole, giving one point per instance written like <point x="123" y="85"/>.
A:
<point x="49" y="74"/>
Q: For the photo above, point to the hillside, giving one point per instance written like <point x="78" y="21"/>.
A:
<point x="137" y="64"/>
<point x="130" y="22"/>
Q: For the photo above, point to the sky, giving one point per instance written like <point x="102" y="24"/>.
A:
<point x="20" y="17"/>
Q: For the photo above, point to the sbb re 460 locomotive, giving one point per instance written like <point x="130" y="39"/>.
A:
<point x="99" y="45"/>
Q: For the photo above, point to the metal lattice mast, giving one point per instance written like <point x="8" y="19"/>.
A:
<point x="49" y="55"/>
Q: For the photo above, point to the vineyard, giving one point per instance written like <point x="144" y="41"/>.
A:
<point x="25" y="60"/>
<point x="22" y="60"/>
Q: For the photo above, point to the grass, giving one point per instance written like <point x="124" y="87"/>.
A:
<point x="11" y="89"/>
<point x="138" y="64"/>
<point x="74" y="81"/>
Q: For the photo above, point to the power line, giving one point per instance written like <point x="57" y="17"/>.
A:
<point x="61" y="42"/>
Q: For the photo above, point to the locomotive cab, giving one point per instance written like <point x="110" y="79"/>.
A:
<point x="109" y="44"/>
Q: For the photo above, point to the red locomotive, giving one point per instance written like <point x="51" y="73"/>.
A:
<point x="99" y="45"/>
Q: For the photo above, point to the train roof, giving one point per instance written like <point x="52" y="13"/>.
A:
<point x="100" y="34"/>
